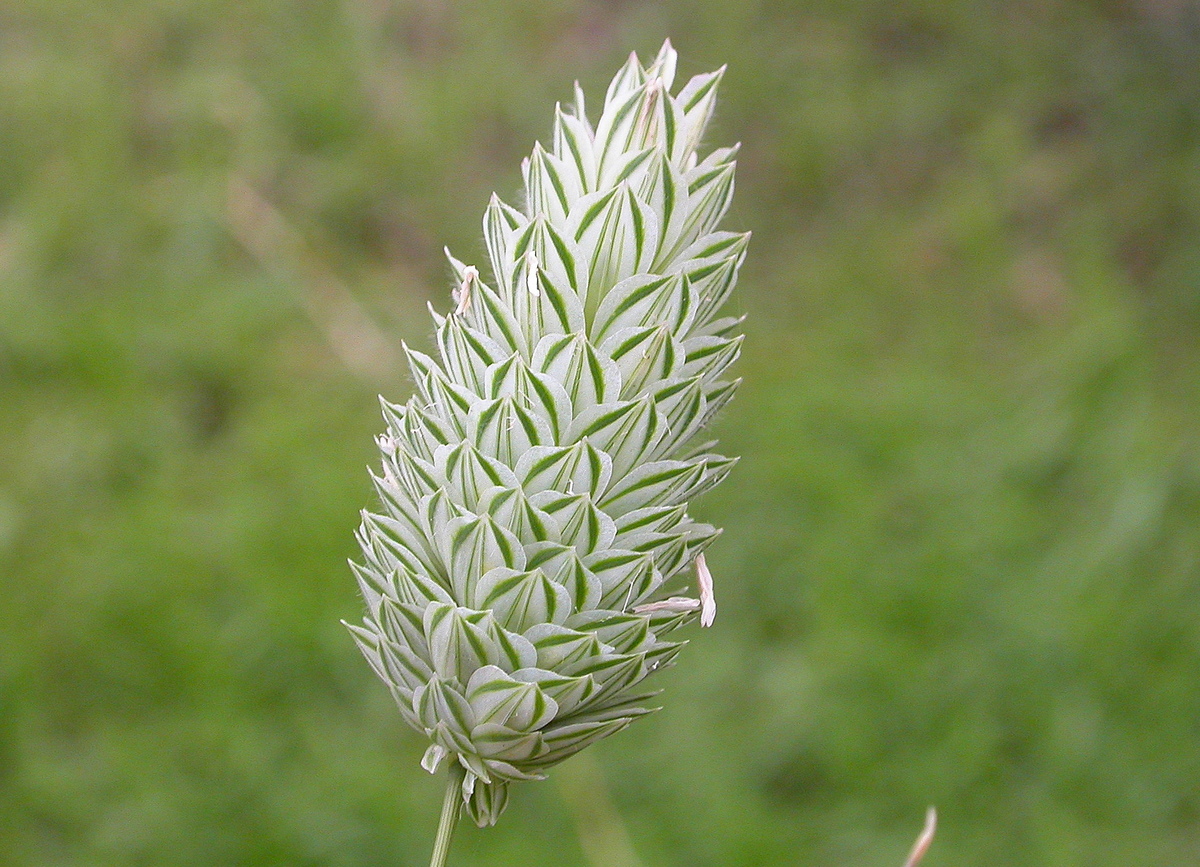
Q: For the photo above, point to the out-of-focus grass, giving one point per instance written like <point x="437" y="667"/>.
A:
<point x="962" y="557"/>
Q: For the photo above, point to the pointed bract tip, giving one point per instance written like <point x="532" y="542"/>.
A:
<point x="462" y="295"/>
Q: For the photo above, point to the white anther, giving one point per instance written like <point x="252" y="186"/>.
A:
<point x="708" y="602"/>
<point x="462" y="295"/>
<point x="673" y="605"/>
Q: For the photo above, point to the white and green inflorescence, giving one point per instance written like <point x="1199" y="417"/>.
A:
<point x="534" y="491"/>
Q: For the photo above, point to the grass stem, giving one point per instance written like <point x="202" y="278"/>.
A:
<point x="451" y="808"/>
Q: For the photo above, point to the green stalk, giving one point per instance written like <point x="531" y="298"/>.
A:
<point x="451" y="808"/>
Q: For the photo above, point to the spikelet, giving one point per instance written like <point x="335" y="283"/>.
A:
<point x="534" y="491"/>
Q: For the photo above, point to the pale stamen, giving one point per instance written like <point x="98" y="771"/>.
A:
<point x="462" y="295"/>
<point x="708" y="602"/>
<point x="674" y="605"/>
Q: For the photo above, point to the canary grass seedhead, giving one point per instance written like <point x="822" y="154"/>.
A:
<point x="534" y="491"/>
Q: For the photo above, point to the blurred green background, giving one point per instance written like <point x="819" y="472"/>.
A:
<point x="962" y="554"/>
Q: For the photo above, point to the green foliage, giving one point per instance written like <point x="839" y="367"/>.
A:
<point x="961" y="551"/>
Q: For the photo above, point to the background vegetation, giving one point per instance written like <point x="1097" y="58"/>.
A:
<point x="962" y="556"/>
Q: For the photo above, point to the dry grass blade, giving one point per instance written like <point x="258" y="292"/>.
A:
<point x="924" y="840"/>
<point x="266" y="235"/>
<point x="602" y="833"/>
